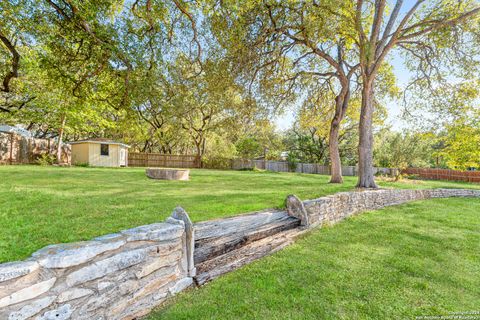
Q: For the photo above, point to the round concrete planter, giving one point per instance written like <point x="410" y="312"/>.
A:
<point x="168" y="174"/>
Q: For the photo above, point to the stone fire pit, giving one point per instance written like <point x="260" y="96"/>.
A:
<point x="168" y="174"/>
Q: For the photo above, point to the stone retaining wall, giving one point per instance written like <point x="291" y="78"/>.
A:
<point x="125" y="275"/>
<point x="333" y="208"/>
<point x="117" y="276"/>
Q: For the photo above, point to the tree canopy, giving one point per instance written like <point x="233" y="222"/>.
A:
<point x="210" y="77"/>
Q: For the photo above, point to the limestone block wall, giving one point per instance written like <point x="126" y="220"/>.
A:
<point x="333" y="208"/>
<point x="116" y="276"/>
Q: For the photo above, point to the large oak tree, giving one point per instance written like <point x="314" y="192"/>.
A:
<point x="377" y="32"/>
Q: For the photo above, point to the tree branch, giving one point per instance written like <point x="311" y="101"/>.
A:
<point x="194" y="27"/>
<point x="13" y="73"/>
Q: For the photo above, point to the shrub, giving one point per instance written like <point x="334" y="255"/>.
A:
<point x="292" y="161"/>
<point x="412" y="176"/>
<point x="217" y="163"/>
<point x="254" y="169"/>
<point x="46" y="159"/>
<point x="246" y="169"/>
<point x="82" y="164"/>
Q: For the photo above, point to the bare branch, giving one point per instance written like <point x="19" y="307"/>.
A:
<point x="389" y="27"/>
<point x="13" y="73"/>
<point x="194" y="27"/>
<point x="435" y="25"/>
<point x="377" y="20"/>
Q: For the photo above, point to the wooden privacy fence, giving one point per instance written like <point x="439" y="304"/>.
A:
<point x="17" y="149"/>
<point x="137" y="159"/>
<point x="314" y="168"/>
<point x="444" y="174"/>
<point x="279" y="166"/>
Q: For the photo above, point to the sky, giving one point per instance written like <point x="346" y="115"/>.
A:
<point x="403" y="75"/>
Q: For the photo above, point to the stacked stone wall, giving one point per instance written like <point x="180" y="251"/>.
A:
<point x="117" y="276"/>
<point x="333" y="208"/>
<point x="126" y="274"/>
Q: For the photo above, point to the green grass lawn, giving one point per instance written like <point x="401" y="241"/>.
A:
<point x="47" y="205"/>
<point x="417" y="259"/>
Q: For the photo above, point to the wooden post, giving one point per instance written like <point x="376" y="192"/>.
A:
<point x="11" y="148"/>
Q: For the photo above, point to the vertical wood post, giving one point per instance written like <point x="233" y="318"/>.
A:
<point x="11" y="148"/>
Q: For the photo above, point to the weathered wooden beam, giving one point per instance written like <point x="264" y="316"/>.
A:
<point x="220" y="227"/>
<point x="214" y="238"/>
<point x="241" y="256"/>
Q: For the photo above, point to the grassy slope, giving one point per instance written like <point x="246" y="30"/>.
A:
<point x="46" y="205"/>
<point x="420" y="258"/>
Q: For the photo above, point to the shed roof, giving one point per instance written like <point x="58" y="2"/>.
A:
<point x="100" y="141"/>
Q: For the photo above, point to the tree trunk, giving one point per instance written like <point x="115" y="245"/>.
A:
<point x="60" y="139"/>
<point x="198" y="156"/>
<point x="335" y="162"/>
<point x="366" y="178"/>
<point x="145" y="146"/>
<point x="341" y="105"/>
